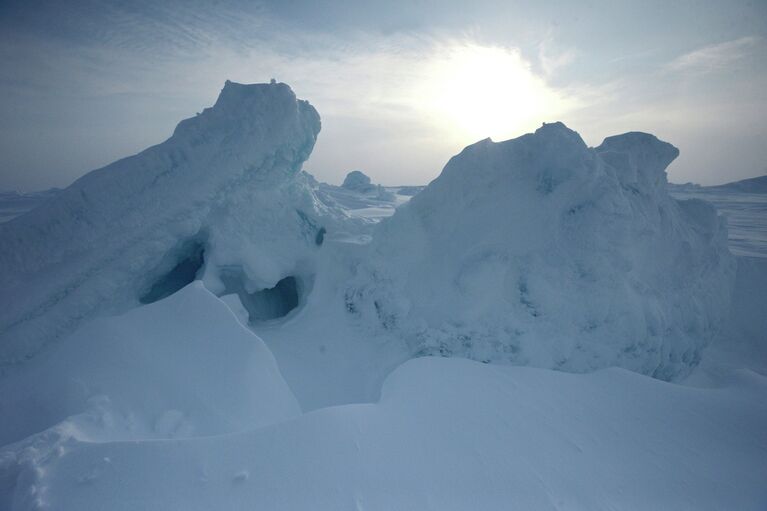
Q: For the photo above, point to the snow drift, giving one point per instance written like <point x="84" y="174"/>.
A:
<point x="146" y="374"/>
<point x="541" y="251"/>
<point x="221" y="200"/>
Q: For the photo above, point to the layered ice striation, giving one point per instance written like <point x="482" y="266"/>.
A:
<point x="542" y="251"/>
<point x="222" y="196"/>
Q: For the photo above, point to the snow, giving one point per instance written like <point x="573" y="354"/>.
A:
<point x="182" y="367"/>
<point x="206" y="326"/>
<point x="327" y="355"/>
<point x="128" y="376"/>
<point x="453" y="434"/>
<point x="742" y="343"/>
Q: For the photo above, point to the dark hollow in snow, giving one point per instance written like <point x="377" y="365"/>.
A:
<point x="272" y="303"/>
<point x="189" y="259"/>
<point x="264" y="304"/>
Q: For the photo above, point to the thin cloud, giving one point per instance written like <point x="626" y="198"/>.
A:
<point x="715" y="57"/>
<point x="552" y="59"/>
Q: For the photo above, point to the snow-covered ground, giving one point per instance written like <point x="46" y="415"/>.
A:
<point x="203" y="326"/>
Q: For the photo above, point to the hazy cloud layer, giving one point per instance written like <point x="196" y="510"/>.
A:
<point x="400" y="87"/>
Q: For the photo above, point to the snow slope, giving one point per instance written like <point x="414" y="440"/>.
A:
<point x="742" y="342"/>
<point x="211" y="373"/>
<point x="451" y="434"/>
<point x="181" y="367"/>
<point x="541" y="251"/>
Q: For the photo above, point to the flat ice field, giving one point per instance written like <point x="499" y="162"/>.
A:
<point x="544" y="326"/>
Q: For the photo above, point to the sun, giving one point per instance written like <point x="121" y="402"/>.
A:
<point x="482" y="91"/>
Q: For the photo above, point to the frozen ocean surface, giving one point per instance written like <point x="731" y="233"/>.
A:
<point x="746" y="216"/>
<point x="13" y="204"/>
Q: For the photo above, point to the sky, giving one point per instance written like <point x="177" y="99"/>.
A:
<point x="401" y="86"/>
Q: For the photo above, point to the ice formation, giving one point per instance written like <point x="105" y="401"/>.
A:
<point x="221" y="200"/>
<point x="357" y="181"/>
<point x="541" y="251"/>
<point x="534" y="251"/>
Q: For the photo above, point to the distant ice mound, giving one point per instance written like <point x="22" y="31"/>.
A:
<point x="542" y="251"/>
<point x="222" y="199"/>
<point x="357" y="181"/>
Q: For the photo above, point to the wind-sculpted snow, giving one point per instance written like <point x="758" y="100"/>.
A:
<point x="541" y="251"/>
<point x="221" y="193"/>
<point x="446" y="435"/>
<point x="179" y="367"/>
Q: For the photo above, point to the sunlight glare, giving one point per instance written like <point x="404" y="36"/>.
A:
<point x="482" y="91"/>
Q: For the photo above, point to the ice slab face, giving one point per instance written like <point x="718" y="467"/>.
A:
<point x="223" y="191"/>
<point x="542" y="251"/>
<point x="183" y="366"/>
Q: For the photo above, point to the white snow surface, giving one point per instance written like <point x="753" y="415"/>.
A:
<point x="202" y="326"/>
<point x="450" y="434"/>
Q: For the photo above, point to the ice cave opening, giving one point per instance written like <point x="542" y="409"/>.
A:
<point x="272" y="303"/>
<point x="268" y="303"/>
<point x="189" y="260"/>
